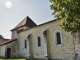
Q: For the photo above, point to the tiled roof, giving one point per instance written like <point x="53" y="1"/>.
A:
<point x="25" y="22"/>
<point x="5" y="41"/>
<point x="2" y="40"/>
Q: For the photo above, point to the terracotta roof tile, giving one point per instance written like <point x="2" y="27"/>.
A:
<point x="25" y="22"/>
<point x="2" y="40"/>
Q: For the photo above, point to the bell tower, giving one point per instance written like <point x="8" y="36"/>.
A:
<point x="25" y="24"/>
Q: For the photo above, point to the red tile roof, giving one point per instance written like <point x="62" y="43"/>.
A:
<point x="5" y="41"/>
<point x="2" y="40"/>
<point x="25" y="22"/>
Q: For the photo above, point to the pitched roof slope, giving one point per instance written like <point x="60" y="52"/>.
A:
<point x="2" y="40"/>
<point x="25" y="22"/>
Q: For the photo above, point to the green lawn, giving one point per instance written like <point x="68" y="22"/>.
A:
<point x="1" y="59"/>
<point x="12" y="59"/>
<point x="16" y="59"/>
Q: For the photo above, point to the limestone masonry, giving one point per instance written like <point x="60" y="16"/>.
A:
<point x="45" y="41"/>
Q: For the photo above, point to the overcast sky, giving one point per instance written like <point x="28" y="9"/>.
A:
<point x="38" y="10"/>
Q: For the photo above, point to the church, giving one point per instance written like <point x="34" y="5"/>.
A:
<point x="44" y="41"/>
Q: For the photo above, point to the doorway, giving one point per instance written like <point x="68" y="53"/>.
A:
<point x="8" y="52"/>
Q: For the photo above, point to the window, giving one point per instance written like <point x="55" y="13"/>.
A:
<point x="58" y="38"/>
<point x="39" y="42"/>
<point x="25" y="43"/>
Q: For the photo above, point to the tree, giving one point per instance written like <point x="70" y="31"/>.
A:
<point x="69" y="12"/>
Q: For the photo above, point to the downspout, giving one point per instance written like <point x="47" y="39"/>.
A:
<point x="74" y="45"/>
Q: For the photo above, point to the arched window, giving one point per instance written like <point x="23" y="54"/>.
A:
<point x="58" y="38"/>
<point x="25" y="43"/>
<point x="39" y="41"/>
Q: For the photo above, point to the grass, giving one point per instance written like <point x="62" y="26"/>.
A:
<point x="31" y="59"/>
<point x="13" y="59"/>
<point x="16" y="59"/>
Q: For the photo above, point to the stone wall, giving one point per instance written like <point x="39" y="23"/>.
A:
<point x="76" y="37"/>
<point x="13" y="46"/>
<point x="63" y="51"/>
<point x="2" y="51"/>
<point x="14" y="32"/>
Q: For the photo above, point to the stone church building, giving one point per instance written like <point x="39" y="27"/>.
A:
<point x="44" y="41"/>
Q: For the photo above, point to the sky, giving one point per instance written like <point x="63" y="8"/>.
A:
<point x="14" y="12"/>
